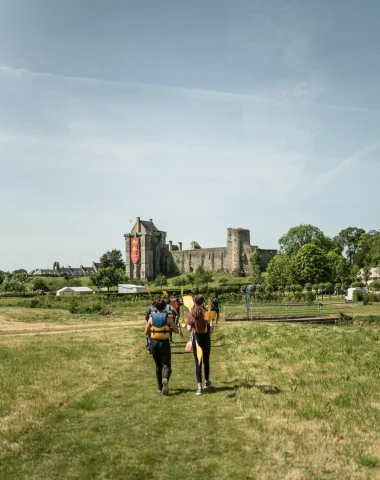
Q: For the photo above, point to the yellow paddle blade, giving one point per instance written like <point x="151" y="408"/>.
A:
<point x="147" y="288"/>
<point x="209" y="303"/>
<point x="165" y="293"/>
<point x="183" y="324"/>
<point x="188" y="301"/>
<point x="199" y="354"/>
<point x="208" y="316"/>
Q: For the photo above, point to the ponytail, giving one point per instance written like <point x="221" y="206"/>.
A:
<point x="198" y="313"/>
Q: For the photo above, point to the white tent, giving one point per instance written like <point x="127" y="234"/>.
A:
<point x="74" y="291"/>
<point x="127" y="288"/>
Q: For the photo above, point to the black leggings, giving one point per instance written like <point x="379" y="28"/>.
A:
<point x="162" y="358"/>
<point x="204" y="341"/>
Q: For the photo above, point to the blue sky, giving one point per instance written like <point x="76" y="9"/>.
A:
<point x="202" y="115"/>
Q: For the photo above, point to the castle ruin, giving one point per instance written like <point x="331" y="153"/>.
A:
<point x="148" y="254"/>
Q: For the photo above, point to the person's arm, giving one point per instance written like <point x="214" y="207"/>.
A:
<point x="172" y="325"/>
<point x="147" y="314"/>
<point x="212" y="327"/>
<point x="148" y="325"/>
<point x="189" y="322"/>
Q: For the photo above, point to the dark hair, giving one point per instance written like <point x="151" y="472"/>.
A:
<point x="161" y="304"/>
<point x="198" y="313"/>
<point x="154" y="303"/>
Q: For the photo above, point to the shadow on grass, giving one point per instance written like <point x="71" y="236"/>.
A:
<point x="180" y="391"/>
<point x="266" y="389"/>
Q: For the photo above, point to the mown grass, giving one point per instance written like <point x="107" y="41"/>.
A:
<point x="290" y="401"/>
<point x="327" y="309"/>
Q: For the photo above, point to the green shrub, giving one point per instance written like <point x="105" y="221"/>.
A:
<point x="373" y="297"/>
<point x="358" y="296"/>
<point x="33" y="303"/>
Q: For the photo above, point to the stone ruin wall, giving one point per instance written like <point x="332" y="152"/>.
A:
<point x="220" y="260"/>
<point x="214" y="259"/>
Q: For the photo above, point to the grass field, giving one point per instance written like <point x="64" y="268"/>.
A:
<point x="79" y="401"/>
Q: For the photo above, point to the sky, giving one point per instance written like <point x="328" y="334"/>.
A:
<point x="202" y="115"/>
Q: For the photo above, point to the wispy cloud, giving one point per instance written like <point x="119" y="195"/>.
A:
<point x="344" y="164"/>
<point x="298" y="95"/>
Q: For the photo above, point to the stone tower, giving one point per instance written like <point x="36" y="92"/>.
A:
<point x="239" y="249"/>
<point x="152" y="251"/>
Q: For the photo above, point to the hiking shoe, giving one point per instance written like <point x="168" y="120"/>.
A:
<point x="165" y="386"/>
<point x="159" y="389"/>
<point x="207" y="385"/>
<point x="199" y="392"/>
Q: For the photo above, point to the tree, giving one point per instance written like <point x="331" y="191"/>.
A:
<point x="179" y="281"/>
<point x="112" y="258"/>
<point x="15" y="287"/>
<point x="367" y="253"/>
<point x="348" y="240"/>
<point x="327" y="288"/>
<point x="21" y="277"/>
<point x="310" y="265"/>
<point x="254" y="260"/>
<point x="297" y="237"/>
<point x="202" y="277"/>
<point x="39" y="284"/>
<point x="308" y="287"/>
<point x="190" y="279"/>
<point x="366" y="275"/>
<point x="108" y="277"/>
<point x="161" y="281"/>
<point x="375" y="286"/>
<point x="20" y="270"/>
<point x="278" y="272"/>
<point x="340" y="270"/>
<point x="354" y="274"/>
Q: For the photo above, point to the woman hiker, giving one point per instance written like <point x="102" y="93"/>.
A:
<point x="201" y="331"/>
<point x="158" y="327"/>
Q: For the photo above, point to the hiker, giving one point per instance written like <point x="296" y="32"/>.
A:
<point x="176" y="303"/>
<point x="215" y="307"/>
<point x="201" y="335"/>
<point x="172" y="313"/>
<point x="147" y="315"/>
<point x="150" y="310"/>
<point x="158" y="327"/>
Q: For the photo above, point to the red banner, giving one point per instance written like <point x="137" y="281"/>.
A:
<point x="135" y="250"/>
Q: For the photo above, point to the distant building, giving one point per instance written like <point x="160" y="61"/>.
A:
<point x="148" y="254"/>
<point x="375" y="275"/>
<point x="65" y="271"/>
<point x="127" y="288"/>
<point x="74" y="291"/>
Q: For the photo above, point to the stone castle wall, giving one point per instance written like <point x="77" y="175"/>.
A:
<point x="213" y="259"/>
